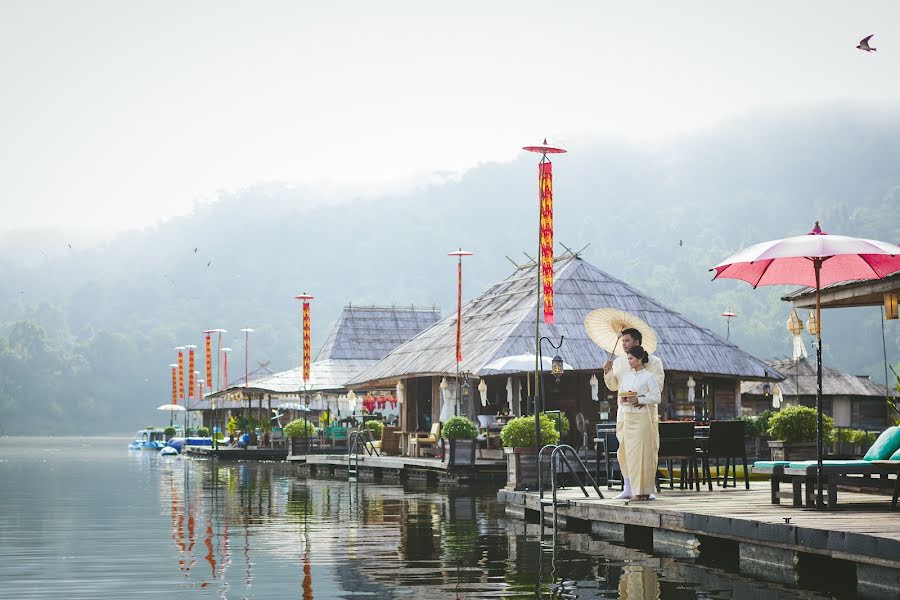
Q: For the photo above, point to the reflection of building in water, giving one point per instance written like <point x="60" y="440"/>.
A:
<point x="638" y="583"/>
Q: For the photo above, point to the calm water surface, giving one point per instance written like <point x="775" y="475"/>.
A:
<point x="86" y="518"/>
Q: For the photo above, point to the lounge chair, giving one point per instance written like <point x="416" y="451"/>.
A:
<point x="858" y="473"/>
<point x="418" y="441"/>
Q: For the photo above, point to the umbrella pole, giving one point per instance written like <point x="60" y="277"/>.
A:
<point x="817" y="265"/>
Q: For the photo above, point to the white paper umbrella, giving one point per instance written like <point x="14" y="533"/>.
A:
<point x="521" y="362"/>
<point x="171" y="407"/>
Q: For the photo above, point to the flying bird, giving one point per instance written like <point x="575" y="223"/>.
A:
<point x="70" y="246"/>
<point x="209" y="263"/>
<point x="680" y="243"/>
<point x="864" y="44"/>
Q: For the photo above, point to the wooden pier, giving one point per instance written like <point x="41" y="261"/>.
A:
<point x="773" y="542"/>
<point x="233" y="453"/>
<point x="401" y="468"/>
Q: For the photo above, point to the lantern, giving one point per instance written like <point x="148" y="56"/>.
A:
<point x="890" y="306"/>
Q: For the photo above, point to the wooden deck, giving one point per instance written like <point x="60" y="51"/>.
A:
<point x="401" y="468"/>
<point x="861" y="530"/>
<point x="232" y="453"/>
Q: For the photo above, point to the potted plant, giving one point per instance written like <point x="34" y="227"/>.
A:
<point x="755" y="433"/>
<point x="169" y="432"/>
<point x="203" y="432"/>
<point x="517" y="438"/>
<point x="299" y="432"/>
<point x="376" y="427"/>
<point x="458" y="436"/>
<point x="793" y="433"/>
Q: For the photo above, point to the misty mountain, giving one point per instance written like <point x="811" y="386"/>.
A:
<point x="87" y="334"/>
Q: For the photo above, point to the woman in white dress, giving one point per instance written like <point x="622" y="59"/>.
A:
<point x="638" y="450"/>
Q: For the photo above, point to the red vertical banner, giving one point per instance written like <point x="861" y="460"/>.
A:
<point x="191" y="373"/>
<point x="174" y="385"/>
<point x="306" y="341"/>
<point x="459" y="312"/>
<point x="181" y="374"/>
<point x="545" y="180"/>
<point x="208" y="363"/>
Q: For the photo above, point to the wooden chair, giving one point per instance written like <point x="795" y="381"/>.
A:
<point x="726" y="440"/>
<point x="676" y="442"/>
<point x="418" y="441"/>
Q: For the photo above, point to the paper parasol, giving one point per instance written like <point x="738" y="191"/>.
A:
<point x="605" y="326"/>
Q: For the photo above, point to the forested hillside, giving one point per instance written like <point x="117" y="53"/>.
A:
<point x="86" y="336"/>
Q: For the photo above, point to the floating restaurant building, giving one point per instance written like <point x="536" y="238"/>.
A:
<point x="501" y="323"/>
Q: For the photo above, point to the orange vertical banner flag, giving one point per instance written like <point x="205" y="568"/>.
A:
<point x="208" y="363"/>
<point x="459" y="312"/>
<point x="181" y="374"/>
<point x="191" y="373"/>
<point x="174" y="386"/>
<point x="546" y="188"/>
<point x="306" y="341"/>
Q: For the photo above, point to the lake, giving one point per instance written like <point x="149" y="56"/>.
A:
<point x="87" y="518"/>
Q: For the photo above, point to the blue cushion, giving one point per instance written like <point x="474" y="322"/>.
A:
<point x="886" y="444"/>
<point x="803" y="464"/>
<point x="895" y="455"/>
<point x="769" y="464"/>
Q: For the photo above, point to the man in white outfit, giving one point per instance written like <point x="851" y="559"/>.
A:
<point x="613" y="372"/>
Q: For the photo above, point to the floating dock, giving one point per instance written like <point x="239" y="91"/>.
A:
<point x="778" y="543"/>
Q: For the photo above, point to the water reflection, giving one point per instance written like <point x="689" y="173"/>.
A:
<point x="108" y="526"/>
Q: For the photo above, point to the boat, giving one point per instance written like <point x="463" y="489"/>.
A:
<point x="149" y="439"/>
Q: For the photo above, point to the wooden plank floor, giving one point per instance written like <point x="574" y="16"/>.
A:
<point x="862" y="528"/>
<point x="389" y="462"/>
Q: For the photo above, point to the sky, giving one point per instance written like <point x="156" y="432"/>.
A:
<point x="117" y="115"/>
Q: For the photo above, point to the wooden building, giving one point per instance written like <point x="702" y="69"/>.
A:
<point x="361" y="336"/>
<point x="501" y="322"/>
<point x="852" y="401"/>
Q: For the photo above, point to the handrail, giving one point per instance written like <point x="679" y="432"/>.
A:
<point x="562" y="450"/>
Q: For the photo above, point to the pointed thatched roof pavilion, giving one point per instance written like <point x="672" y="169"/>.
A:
<point x="500" y="322"/>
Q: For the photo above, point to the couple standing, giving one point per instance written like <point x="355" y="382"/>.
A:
<point x="638" y="377"/>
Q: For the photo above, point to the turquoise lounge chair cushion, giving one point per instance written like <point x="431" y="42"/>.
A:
<point x="802" y="464"/>
<point x="769" y="464"/>
<point x="886" y="444"/>
<point x="895" y="455"/>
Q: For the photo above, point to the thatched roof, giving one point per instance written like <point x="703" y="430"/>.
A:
<point x="361" y="336"/>
<point x="834" y="382"/>
<point x="370" y="332"/>
<point x="500" y="322"/>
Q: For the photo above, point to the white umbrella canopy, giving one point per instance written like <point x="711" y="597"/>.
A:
<point x="605" y="326"/>
<point x="171" y="407"/>
<point x="521" y="362"/>
<point x="293" y="406"/>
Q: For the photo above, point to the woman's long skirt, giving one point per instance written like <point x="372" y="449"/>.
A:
<point x="640" y="458"/>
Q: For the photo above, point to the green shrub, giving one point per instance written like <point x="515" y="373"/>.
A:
<point x="858" y="437"/>
<point x="377" y="427"/>
<point x="563" y="423"/>
<point x="296" y="429"/>
<point x="169" y="432"/>
<point x="459" y="428"/>
<point x="798" y="424"/>
<point x="757" y="426"/>
<point x="203" y="432"/>
<point x="519" y="433"/>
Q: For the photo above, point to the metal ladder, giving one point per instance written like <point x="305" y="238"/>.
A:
<point x="557" y="455"/>
<point x="359" y="440"/>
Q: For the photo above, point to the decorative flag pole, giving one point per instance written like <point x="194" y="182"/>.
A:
<point x="180" y="372"/>
<point x="208" y="332"/>
<point x="225" y="352"/>
<point x="247" y="331"/>
<point x="305" y="298"/>
<point x="191" y="377"/>
<point x="459" y="255"/>
<point x="544" y="265"/>
<point x="174" y="368"/>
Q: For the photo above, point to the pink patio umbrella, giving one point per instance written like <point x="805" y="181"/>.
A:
<point x="814" y="260"/>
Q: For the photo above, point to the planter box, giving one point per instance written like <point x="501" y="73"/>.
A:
<point x="459" y="452"/>
<point x="299" y="446"/>
<point x="521" y="468"/>
<point x="795" y="451"/>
